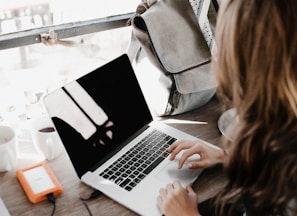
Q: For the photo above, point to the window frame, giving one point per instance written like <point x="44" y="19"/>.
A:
<point x="67" y="30"/>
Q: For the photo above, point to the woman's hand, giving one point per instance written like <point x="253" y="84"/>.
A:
<point x="210" y="155"/>
<point x="177" y="200"/>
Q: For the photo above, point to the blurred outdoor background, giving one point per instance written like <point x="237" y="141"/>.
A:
<point x="29" y="72"/>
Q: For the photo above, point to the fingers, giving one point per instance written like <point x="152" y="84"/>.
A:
<point x="176" y="185"/>
<point x="190" y="148"/>
<point x="166" y="193"/>
<point x="173" y="149"/>
<point x="170" y="188"/>
<point x="178" y="146"/>
<point x="190" y="189"/>
<point x="198" y="164"/>
<point x="174" y="188"/>
<point x="163" y="194"/>
<point x="175" y="199"/>
<point x="188" y="153"/>
<point x="161" y="198"/>
<point x="209" y="154"/>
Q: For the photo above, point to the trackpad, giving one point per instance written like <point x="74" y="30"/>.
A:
<point x="172" y="173"/>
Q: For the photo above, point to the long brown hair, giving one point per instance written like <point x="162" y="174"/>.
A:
<point x="256" y="70"/>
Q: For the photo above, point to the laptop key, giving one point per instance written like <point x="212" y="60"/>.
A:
<point x="132" y="184"/>
<point x="128" y="188"/>
<point x="153" y="165"/>
<point x="125" y="182"/>
<point x="172" y="140"/>
<point x="141" y="176"/>
<point x="118" y="180"/>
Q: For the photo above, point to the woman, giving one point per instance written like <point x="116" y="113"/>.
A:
<point x="256" y="70"/>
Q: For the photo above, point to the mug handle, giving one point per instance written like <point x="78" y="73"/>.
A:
<point x="8" y="165"/>
<point x="8" y="159"/>
<point x="50" y="154"/>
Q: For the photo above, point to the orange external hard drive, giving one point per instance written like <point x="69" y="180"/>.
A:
<point x="38" y="181"/>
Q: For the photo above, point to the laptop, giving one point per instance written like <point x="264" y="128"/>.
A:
<point x="104" y="122"/>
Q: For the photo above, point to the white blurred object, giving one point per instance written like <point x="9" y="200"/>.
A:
<point x="8" y="142"/>
<point x="227" y="123"/>
<point x="33" y="105"/>
<point x="3" y="209"/>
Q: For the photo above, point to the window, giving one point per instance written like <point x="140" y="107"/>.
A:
<point x="16" y="15"/>
<point x="94" y="31"/>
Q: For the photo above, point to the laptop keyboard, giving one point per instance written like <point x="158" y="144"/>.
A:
<point x="138" y="162"/>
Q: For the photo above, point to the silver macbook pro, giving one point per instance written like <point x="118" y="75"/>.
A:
<point x="111" y="138"/>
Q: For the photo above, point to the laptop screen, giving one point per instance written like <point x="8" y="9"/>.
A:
<point x="98" y="112"/>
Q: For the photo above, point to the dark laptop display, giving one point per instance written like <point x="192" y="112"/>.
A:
<point x="117" y="96"/>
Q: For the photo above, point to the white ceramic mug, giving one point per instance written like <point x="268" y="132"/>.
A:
<point x="45" y="137"/>
<point x="8" y="154"/>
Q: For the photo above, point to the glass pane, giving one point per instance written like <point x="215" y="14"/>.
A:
<point x="18" y="15"/>
<point x="27" y="73"/>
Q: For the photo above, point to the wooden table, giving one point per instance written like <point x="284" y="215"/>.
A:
<point x="207" y="185"/>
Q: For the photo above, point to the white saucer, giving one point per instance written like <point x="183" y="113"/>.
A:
<point x="226" y="123"/>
